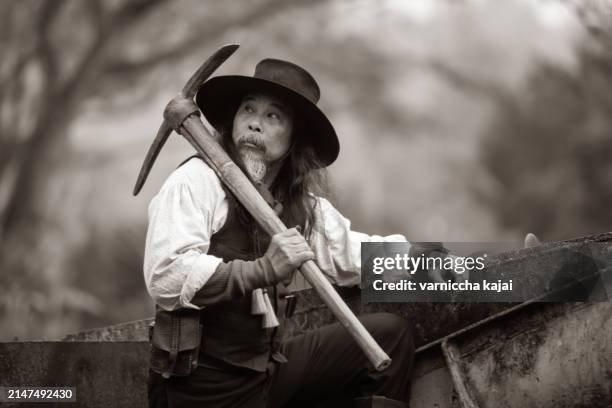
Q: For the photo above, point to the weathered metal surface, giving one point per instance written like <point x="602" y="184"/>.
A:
<point x="432" y="321"/>
<point x="460" y="383"/>
<point x="547" y="355"/>
<point x="564" y="361"/>
<point x="540" y="355"/>
<point x="137" y="330"/>
<point x="431" y="385"/>
<point x="104" y="374"/>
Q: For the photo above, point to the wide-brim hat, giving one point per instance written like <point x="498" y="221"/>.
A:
<point x="220" y="97"/>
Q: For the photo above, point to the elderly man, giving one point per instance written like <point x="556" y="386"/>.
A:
<point x="220" y="284"/>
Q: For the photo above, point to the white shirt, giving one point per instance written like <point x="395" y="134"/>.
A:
<point x="191" y="206"/>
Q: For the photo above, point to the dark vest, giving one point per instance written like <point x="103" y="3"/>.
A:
<point x="230" y="332"/>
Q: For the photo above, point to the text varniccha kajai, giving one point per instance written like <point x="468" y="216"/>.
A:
<point x="404" y="284"/>
<point x="412" y="264"/>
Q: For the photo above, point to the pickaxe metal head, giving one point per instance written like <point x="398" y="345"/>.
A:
<point x="189" y="91"/>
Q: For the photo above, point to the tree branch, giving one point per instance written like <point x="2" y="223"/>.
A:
<point x="14" y="95"/>
<point x="477" y="86"/>
<point x="90" y="57"/>
<point x="133" y="11"/>
<point x="6" y="19"/>
<point x="49" y="10"/>
<point x="211" y="33"/>
<point x="107" y="27"/>
<point x="10" y="148"/>
<point x="596" y="18"/>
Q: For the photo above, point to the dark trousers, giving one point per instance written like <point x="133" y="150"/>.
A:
<point x="325" y="367"/>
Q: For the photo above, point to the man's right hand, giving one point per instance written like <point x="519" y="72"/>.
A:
<point x="287" y="251"/>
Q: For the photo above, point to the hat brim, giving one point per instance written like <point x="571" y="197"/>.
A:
<point x="220" y="97"/>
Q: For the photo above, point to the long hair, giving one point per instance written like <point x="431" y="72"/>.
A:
<point x="300" y="179"/>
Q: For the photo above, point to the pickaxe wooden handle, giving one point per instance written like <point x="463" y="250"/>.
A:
<point x="182" y="115"/>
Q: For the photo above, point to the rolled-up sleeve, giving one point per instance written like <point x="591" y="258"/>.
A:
<point x="337" y="248"/>
<point x="181" y="222"/>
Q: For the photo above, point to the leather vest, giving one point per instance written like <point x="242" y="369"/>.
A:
<point x="226" y="334"/>
<point x="230" y="332"/>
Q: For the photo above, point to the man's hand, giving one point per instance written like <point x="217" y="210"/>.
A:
<point x="531" y="241"/>
<point x="288" y="250"/>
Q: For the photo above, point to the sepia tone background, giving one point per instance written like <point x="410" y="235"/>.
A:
<point x="458" y="121"/>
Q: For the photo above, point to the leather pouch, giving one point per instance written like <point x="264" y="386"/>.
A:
<point x="175" y="342"/>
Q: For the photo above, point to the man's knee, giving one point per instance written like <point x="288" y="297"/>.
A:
<point x="389" y="329"/>
<point x="395" y="335"/>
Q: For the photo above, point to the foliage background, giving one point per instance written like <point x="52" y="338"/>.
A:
<point x="459" y="120"/>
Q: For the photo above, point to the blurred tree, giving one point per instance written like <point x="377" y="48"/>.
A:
<point x="109" y="268"/>
<point x="59" y="55"/>
<point x="75" y="51"/>
<point x="398" y="85"/>
<point x="550" y="150"/>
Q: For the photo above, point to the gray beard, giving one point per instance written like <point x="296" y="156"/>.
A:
<point x="254" y="164"/>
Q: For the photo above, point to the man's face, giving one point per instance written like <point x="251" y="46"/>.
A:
<point x="262" y="132"/>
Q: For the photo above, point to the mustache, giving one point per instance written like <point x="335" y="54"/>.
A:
<point x="251" y="138"/>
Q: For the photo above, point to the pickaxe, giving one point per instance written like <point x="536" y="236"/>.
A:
<point x="182" y="115"/>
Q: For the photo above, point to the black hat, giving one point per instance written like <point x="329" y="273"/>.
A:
<point x="220" y="97"/>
